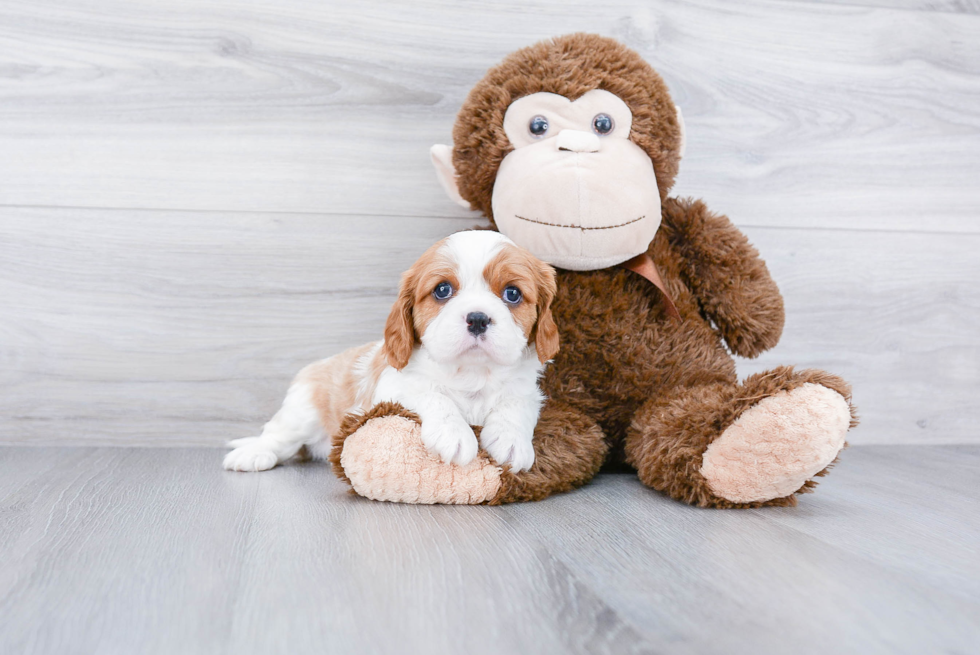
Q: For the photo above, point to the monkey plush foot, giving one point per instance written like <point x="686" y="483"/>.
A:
<point x="778" y="444"/>
<point x="383" y="458"/>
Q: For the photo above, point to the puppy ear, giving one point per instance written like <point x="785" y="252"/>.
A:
<point x="400" y="328"/>
<point x="545" y="330"/>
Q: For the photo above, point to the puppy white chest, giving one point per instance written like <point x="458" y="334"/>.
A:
<point x="475" y="390"/>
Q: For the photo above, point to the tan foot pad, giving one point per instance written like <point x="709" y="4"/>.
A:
<point x="385" y="460"/>
<point x="777" y="445"/>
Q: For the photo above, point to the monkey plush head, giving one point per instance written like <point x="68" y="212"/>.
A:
<point x="568" y="147"/>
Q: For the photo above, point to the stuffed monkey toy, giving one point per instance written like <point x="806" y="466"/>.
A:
<point x="570" y="148"/>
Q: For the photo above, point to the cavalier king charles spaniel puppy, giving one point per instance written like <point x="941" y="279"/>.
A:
<point x="464" y="345"/>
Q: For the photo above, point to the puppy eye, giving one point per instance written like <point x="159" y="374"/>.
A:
<point x="538" y="126"/>
<point x="603" y="124"/>
<point x="512" y="295"/>
<point x="442" y="291"/>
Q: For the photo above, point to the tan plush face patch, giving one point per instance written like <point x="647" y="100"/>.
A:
<point x="575" y="190"/>
<point x="560" y="113"/>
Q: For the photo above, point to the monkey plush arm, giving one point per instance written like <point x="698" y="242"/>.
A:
<point x="726" y="275"/>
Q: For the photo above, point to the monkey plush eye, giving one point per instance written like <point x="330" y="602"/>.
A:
<point x="538" y="126"/>
<point x="443" y="291"/>
<point x="512" y="295"/>
<point x="603" y="124"/>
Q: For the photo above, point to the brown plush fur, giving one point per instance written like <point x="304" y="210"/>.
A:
<point x="569" y="449"/>
<point x="570" y="66"/>
<point x="628" y="384"/>
<point x="623" y="361"/>
<point x="670" y="433"/>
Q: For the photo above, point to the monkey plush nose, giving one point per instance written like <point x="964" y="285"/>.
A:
<point x="477" y="322"/>
<point x="577" y="141"/>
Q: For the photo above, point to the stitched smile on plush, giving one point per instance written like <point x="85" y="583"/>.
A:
<point x="579" y="227"/>
<point x="579" y="193"/>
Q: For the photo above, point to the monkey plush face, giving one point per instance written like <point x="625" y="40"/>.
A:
<point x="568" y="146"/>
<point x="575" y="191"/>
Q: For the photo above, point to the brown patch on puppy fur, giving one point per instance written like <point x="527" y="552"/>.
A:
<point x="339" y="383"/>
<point x="570" y="66"/>
<point x="371" y="373"/>
<point x="514" y="266"/>
<point x="400" y="337"/>
<point x="415" y="306"/>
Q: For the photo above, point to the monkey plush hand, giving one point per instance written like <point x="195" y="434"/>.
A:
<point x="570" y="148"/>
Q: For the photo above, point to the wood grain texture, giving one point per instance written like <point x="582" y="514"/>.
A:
<point x="949" y="6"/>
<point x="869" y="564"/>
<point x="799" y="113"/>
<point x="183" y="328"/>
<point x="159" y="551"/>
<point x="895" y="314"/>
<point x="197" y="198"/>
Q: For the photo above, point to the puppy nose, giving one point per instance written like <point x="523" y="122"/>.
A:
<point x="477" y="322"/>
<point x="577" y="141"/>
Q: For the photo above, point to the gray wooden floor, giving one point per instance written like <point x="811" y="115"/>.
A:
<point x="155" y="550"/>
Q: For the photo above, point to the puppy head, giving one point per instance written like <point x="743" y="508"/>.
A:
<point x="474" y="297"/>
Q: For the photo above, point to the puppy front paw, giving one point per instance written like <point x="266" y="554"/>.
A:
<point x="250" y="457"/>
<point x="452" y="440"/>
<point x="507" y="446"/>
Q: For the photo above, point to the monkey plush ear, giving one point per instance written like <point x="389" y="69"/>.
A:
<point x="680" y="123"/>
<point x="442" y="159"/>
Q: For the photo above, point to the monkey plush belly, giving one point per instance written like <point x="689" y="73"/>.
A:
<point x="619" y="348"/>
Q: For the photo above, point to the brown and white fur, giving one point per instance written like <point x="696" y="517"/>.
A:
<point x="434" y="362"/>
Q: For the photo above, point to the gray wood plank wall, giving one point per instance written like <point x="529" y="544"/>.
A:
<point x="197" y="198"/>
